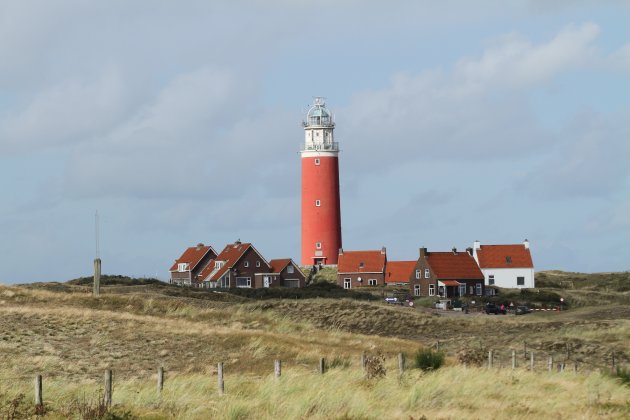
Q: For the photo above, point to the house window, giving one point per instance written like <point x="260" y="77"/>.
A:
<point x="478" y="289"/>
<point x="257" y="263"/>
<point x="290" y="269"/>
<point x="372" y="282"/>
<point x="416" y="290"/>
<point x="462" y="289"/>
<point x="224" y="282"/>
<point x="491" y="279"/>
<point x="181" y="267"/>
<point x="246" y="264"/>
<point x="432" y="290"/>
<point x="218" y="264"/>
<point x="316" y="161"/>
<point x="292" y="283"/>
<point x="361" y="264"/>
<point x="508" y="260"/>
<point x="318" y="245"/>
<point x="243" y="282"/>
<point x="427" y="273"/>
<point x="472" y="290"/>
<point x="347" y="283"/>
<point x="417" y="274"/>
<point x="318" y="203"/>
<point x="520" y="281"/>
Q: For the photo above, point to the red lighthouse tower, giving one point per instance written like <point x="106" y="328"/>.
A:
<point x="321" y="212"/>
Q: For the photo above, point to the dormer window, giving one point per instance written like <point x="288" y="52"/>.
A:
<point x="508" y="260"/>
<point x="181" y="267"/>
<point x="361" y="264"/>
<point x="218" y="264"/>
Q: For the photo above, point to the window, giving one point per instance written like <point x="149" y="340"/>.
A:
<point x="417" y="274"/>
<point x="472" y="290"/>
<point x="225" y="281"/>
<point x="372" y="282"/>
<point x="318" y="245"/>
<point x="246" y="264"/>
<point x="462" y="289"/>
<point x="293" y="283"/>
<point x="318" y="203"/>
<point x="432" y="290"/>
<point x="181" y="267"/>
<point x="416" y="290"/>
<point x="478" y="289"/>
<point x="442" y="291"/>
<point x="316" y="161"/>
<point x="427" y="273"/>
<point x="508" y="260"/>
<point x="243" y="282"/>
<point x="218" y="264"/>
<point x="257" y="263"/>
<point x="520" y="281"/>
<point x="491" y="279"/>
<point x="361" y="264"/>
<point x="347" y="283"/>
<point x="290" y="269"/>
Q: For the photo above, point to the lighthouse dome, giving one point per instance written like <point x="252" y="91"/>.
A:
<point x="319" y="114"/>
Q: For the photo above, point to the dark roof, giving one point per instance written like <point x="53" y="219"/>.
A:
<point x="504" y="256"/>
<point x="454" y="265"/>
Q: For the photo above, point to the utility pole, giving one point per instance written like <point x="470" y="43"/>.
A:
<point x="97" y="262"/>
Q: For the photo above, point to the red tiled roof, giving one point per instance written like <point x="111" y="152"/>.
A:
<point x="449" y="265"/>
<point x="361" y="262"/>
<point x="399" y="271"/>
<point x="206" y="270"/>
<point x="230" y="255"/>
<point x="496" y="256"/>
<point x="279" y="264"/>
<point x="191" y="256"/>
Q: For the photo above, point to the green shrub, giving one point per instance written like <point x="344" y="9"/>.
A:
<point x="623" y="375"/>
<point x="427" y="359"/>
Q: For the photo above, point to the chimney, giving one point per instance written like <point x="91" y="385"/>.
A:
<point x="423" y="252"/>
<point x="454" y="251"/>
<point x="470" y="251"/>
<point x="476" y="245"/>
<point x="383" y="251"/>
<point x="340" y="251"/>
<point x="200" y="245"/>
<point x="526" y="244"/>
<point x="237" y="243"/>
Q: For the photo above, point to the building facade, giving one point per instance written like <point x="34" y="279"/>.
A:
<point x="361" y="268"/>
<point x="321" y="208"/>
<point x="509" y="266"/>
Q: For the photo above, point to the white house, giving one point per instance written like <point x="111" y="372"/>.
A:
<point x="508" y="266"/>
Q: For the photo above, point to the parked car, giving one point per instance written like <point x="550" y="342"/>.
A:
<point x="522" y="310"/>
<point x="491" y="308"/>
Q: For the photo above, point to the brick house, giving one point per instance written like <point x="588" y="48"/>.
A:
<point x="508" y="266"/>
<point x="186" y="269"/>
<point x="398" y="273"/>
<point x="446" y="274"/>
<point x="241" y="265"/>
<point x="361" y="268"/>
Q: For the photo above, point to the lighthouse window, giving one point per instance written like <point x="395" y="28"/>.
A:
<point x="316" y="161"/>
<point x="318" y="245"/>
<point x="318" y="203"/>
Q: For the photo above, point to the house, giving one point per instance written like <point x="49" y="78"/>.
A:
<point x="509" y="266"/>
<point x="186" y="269"/>
<point x="446" y="274"/>
<point x="361" y="268"/>
<point x="398" y="273"/>
<point x="241" y="265"/>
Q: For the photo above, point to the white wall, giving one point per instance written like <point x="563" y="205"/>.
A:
<point x="506" y="277"/>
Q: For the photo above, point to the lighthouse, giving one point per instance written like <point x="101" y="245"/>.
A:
<point x="321" y="211"/>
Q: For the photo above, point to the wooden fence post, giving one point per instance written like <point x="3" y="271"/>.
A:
<point x="612" y="363"/>
<point x="437" y="345"/>
<point x="401" y="362"/>
<point x="567" y="352"/>
<point x="513" y="359"/>
<point x="575" y="367"/>
<point x="220" y="383"/>
<point x="525" y="350"/>
<point x="160" y="379"/>
<point x="550" y="363"/>
<point x="363" y="360"/>
<point x="108" y="387"/>
<point x="277" y="368"/>
<point x="39" y="397"/>
<point x="531" y="361"/>
<point x="490" y="359"/>
<point x="322" y="365"/>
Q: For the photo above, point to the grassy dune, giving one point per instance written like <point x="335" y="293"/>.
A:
<point x="60" y="331"/>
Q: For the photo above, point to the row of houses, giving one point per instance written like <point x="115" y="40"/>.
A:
<point x="237" y="265"/>
<point x="445" y="274"/>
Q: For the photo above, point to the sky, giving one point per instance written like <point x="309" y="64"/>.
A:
<point x="180" y="122"/>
